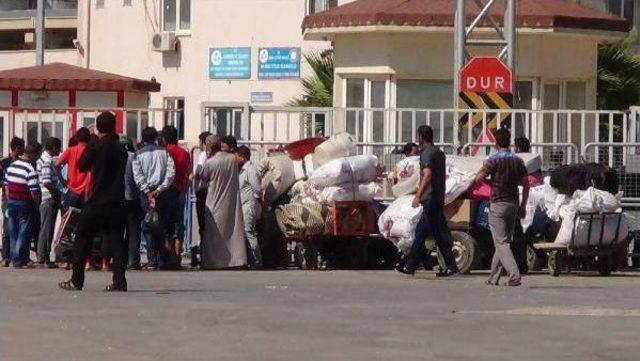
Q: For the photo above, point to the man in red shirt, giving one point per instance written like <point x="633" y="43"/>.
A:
<point x="77" y="180"/>
<point x="182" y="162"/>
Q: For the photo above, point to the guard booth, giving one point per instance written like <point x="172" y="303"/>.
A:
<point x="56" y="99"/>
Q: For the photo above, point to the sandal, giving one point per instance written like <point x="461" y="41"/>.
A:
<point x="114" y="288"/>
<point x="69" y="286"/>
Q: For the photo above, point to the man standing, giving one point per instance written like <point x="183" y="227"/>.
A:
<point x="430" y="195"/>
<point x="133" y="227"/>
<point x="507" y="171"/>
<point x="182" y="163"/>
<point x="250" y="192"/>
<point x="16" y="148"/>
<point x="223" y="245"/>
<point x="77" y="180"/>
<point x="200" y="188"/>
<point x="23" y="198"/>
<point x="50" y="204"/>
<point x="104" y="212"/>
<point x="154" y="172"/>
<point x="228" y="144"/>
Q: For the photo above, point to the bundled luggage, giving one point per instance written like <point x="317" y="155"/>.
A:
<point x="569" y="178"/>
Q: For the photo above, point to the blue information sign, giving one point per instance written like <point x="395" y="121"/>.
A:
<point x="229" y="63"/>
<point x="279" y="63"/>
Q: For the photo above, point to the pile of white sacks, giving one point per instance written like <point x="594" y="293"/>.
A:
<point x="398" y="222"/>
<point x="563" y="208"/>
<point x="330" y="173"/>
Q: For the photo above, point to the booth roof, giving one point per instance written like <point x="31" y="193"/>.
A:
<point x="59" y="76"/>
<point x="440" y="13"/>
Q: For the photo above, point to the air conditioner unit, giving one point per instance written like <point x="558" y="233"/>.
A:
<point x="164" y="41"/>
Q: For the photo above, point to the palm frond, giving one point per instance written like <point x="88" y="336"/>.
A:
<point x="318" y="87"/>
<point x="618" y="74"/>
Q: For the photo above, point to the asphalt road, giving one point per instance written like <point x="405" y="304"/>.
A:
<point x="315" y="316"/>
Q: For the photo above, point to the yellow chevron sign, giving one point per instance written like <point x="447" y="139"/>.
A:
<point x="470" y="100"/>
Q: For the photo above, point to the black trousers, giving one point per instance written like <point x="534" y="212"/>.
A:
<point x="107" y="221"/>
<point x="201" y="205"/>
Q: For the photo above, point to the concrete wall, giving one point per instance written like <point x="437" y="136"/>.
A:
<point x="18" y="59"/>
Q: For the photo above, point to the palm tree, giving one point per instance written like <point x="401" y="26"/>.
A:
<point x="618" y="84"/>
<point x="618" y="75"/>
<point x="318" y="87"/>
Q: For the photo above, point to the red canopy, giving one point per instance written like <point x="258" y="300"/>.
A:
<point x="59" y="76"/>
<point x="531" y="13"/>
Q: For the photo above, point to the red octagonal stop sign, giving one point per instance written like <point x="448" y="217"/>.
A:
<point x="484" y="75"/>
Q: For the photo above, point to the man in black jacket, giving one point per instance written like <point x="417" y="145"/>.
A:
<point x="104" y="212"/>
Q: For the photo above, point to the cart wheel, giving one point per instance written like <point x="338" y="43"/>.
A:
<point x="605" y="265"/>
<point x="555" y="263"/>
<point x="535" y="259"/>
<point x="465" y="250"/>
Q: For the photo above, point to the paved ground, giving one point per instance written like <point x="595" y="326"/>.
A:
<point x="314" y="316"/>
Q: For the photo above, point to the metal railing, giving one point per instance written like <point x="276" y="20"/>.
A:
<point x="36" y="124"/>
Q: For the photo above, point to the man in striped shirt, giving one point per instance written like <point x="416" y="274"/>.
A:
<point x="23" y="198"/>
<point x="48" y="177"/>
<point x="16" y="147"/>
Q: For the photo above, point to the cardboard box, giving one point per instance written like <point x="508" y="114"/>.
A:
<point x="459" y="212"/>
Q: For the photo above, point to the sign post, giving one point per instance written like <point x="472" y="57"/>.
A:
<point x="485" y="83"/>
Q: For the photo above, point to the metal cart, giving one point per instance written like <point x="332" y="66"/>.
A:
<point x="560" y="255"/>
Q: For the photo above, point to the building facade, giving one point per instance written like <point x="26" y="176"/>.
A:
<point x="216" y="58"/>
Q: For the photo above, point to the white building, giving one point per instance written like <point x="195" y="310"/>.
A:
<point x="556" y="70"/>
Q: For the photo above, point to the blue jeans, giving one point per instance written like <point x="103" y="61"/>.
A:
<point x="6" y="247"/>
<point x="431" y="222"/>
<point x="22" y="220"/>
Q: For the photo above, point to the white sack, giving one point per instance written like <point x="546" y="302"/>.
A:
<point x="590" y="201"/>
<point x="466" y="164"/>
<point x="536" y="199"/>
<point x="458" y="182"/>
<point x="532" y="161"/>
<point x="298" y="170"/>
<point x="338" y="146"/>
<point x="348" y="192"/>
<point x="408" y="173"/>
<point x="582" y="231"/>
<point x="595" y="200"/>
<point x="398" y="222"/>
<point x="277" y="176"/>
<point x="359" y="169"/>
<point x="308" y="164"/>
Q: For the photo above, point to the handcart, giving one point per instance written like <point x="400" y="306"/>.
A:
<point x="560" y="256"/>
<point x="349" y="243"/>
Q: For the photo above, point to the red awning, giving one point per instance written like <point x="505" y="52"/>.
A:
<point x="531" y="13"/>
<point x="59" y="76"/>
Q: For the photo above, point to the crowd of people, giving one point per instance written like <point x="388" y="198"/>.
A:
<point x="115" y="193"/>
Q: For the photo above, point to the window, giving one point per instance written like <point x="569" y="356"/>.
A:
<point x="369" y="121"/>
<point x="176" y="15"/>
<point x="174" y="114"/>
<point x="624" y="8"/>
<point x="422" y="94"/>
<point x="126" y="3"/>
<point x="99" y="4"/>
<point x="318" y="6"/>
